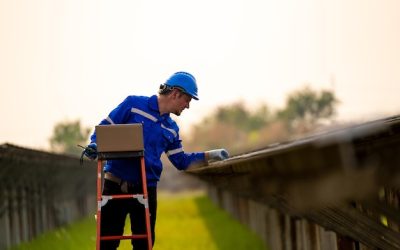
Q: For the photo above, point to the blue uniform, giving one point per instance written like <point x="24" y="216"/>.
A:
<point x="160" y="134"/>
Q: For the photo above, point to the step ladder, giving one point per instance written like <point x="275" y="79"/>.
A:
<point x="114" y="142"/>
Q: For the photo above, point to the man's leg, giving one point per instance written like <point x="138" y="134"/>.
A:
<point x="113" y="216"/>
<point x="138" y="220"/>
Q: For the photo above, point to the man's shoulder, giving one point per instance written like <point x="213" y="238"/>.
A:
<point x="137" y="101"/>
<point x="138" y="98"/>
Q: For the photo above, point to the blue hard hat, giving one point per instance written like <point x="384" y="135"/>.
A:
<point x="184" y="81"/>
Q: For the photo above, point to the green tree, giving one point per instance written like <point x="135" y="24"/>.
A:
<point x="232" y="126"/>
<point x="238" y="116"/>
<point x="304" y="108"/>
<point x="66" y="136"/>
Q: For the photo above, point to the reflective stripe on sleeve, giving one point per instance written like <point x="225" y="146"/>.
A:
<point x="109" y="120"/>
<point x="170" y="130"/>
<point x="174" y="151"/>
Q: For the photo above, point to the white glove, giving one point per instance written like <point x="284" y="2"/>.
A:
<point x="217" y="154"/>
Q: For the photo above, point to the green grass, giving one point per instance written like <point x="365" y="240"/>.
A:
<point x="80" y="235"/>
<point x="183" y="222"/>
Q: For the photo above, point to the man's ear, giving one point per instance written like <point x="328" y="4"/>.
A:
<point x="176" y="93"/>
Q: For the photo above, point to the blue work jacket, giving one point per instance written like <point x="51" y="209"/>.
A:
<point x="160" y="134"/>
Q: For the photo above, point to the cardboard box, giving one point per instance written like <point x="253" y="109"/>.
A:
<point x="119" y="137"/>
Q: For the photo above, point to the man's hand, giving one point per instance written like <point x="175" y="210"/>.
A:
<point x="217" y="154"/>
<point x="91" y="151"/>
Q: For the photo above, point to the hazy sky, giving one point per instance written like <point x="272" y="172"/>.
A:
<point x="77" y="59"/>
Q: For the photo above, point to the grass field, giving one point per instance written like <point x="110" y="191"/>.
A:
<point x="187" y="221"/>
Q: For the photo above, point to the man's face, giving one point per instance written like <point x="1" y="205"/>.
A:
<point x="182" y="102"/>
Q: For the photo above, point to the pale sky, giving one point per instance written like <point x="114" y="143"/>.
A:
<point x="77" y="59"/>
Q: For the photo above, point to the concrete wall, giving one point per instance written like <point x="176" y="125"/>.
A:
<point x="40" y="191"/>
<point x="281" y="231"/>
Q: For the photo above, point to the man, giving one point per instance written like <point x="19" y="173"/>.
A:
<point x="161" y="134"/>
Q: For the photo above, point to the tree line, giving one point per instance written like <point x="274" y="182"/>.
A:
<point x="240" y="129"/>
<point x="232" y="126"/>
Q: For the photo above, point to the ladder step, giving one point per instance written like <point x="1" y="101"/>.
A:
<point x="139" y="197"/>
<point x="124" y="237"/>
<point x="123" y="196"/>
